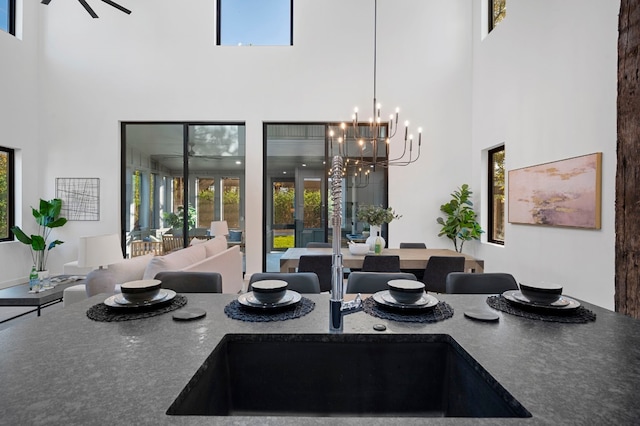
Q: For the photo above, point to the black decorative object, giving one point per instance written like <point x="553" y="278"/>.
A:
<point x="580" y="315"/>
<point x="236" y="310"/>
<point x="91" y="11"/>
<point x="440" y="312"/>
<point x="102" y="312"/>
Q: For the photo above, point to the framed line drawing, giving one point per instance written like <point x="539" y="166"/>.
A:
<point x="80" y="198"/>
<point x="561" y="193"/>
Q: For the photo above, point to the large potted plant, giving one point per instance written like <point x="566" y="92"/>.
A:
<point x="176" y="220"/>
<point x="375" y="216"/>
<point x="460" y="222"/>
<point x="47" y="217"/>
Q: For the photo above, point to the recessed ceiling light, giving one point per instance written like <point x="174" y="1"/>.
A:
<point x="284" y="173"/>
<point x="238" y="162"/>
<point x="304" y="165"/>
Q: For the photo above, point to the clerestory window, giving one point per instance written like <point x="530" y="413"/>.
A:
<point x="254" y="23"/>
<point x="497" y="12"/>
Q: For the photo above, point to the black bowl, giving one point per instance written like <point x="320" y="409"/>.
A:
<point x="269" y="291"/>
<point x="406" y="291"/>
<point x="543" y="293"/>
<point x="140" y="290"/>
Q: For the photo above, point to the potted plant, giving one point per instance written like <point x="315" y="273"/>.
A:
<point x="47" y="217"/>
<point x="460" y="223"/>
<point x="375" y="216"/>
<point x="176" y="220"/>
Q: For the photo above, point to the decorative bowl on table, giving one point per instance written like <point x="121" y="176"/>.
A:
<point x="269" y="291"/>
<point x="358" y="248"/>
<point x="543" y="293"/>
<point x="406" y="291"/>
<point x="140" y="290"/>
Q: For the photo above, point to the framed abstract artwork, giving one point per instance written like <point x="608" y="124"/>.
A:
<point x="80" y="198"/>
<point x="560" y="193"/>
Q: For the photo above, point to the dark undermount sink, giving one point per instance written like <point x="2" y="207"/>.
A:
<point x="421" y="375"/>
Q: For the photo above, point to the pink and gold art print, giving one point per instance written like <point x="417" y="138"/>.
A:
<point x="561" y="193"/>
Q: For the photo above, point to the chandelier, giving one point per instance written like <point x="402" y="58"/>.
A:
<point x="365" y="146"/>
<point x="91" y="11"/>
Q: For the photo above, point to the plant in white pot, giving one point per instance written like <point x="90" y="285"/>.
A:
<point x="375" y="216"/>
<point x="460" y="223"/>
<point x="47" y="217"/>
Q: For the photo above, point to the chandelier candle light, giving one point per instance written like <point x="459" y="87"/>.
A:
<point x="368" y="138"/>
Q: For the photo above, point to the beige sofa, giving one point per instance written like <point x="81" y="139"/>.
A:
<point x="202" y="256"/>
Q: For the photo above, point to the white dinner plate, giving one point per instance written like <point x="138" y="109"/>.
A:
<point x="164" y="295"/>
<point x="383" y="298"/>
<point x="249" y="300"/>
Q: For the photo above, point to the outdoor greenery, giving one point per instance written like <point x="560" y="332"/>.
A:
<point x="460" y="223"/>
<point x="284" y="207"/>
<point x="283" y="241"/>
<point x="47" y="217"/>
<point x="176" y="220"/>
<point x="376" y="215"/>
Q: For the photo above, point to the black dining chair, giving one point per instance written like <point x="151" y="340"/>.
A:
<point x="321" y="265"/>
<point x="419" y="273"/>
<point x="302" y="282"/>
<point x="413" y="245"/>
<point x="437" y="269"/>
<point x="191" y="282"/>
<point x="373" y="282"/>
<point x="484" y="283"/>
<point x="381" y="263"/>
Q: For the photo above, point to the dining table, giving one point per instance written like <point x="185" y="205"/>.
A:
<point x="410" y="258"/>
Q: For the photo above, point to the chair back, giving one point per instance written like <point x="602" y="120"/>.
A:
<point x="302" y="282"/>
<point x="373" y="282"/>
<point x="437" y="269"/>
<point x="413" y="245"/>
<point x="318" y="244"/>
<point x="171" y="243"/>
<point x="321" y="265"/>
<point x="381" y="263"/>
<point x="191" y="282"/>
<point x="140" y="248"/>
<point x="485" y="283"/>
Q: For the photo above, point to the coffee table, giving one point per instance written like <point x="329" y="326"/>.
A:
<point x="19" y="295"/>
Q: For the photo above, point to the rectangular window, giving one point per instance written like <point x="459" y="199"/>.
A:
<point x="6" y="194"/>
<point x="497" y="12"/>
<point x="496" y="195"/>
<point x="254" y="23"/>
<point x="8" y="16"/>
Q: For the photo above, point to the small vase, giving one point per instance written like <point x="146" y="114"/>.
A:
<point x="374" y="230"/>
<point x="45" y="282"/>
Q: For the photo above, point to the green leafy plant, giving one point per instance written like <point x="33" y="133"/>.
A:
<point x="176" y="220"/>
<point x="460" y="223"/>
<point x="47" y="217"/>
<point x="376" y="215"/>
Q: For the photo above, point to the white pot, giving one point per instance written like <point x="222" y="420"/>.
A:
<point x="374" y="230"/>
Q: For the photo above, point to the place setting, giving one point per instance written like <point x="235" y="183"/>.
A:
<point x="138" y="299"/>
<point x="544" y="302"/>
<point x="407" y="301"/>
<point x="269" y="300"/>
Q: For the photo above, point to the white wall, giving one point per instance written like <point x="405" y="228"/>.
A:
<point x="19" y="130"/>
<point x="160" y="63"/>
<point x="544" y="84"/>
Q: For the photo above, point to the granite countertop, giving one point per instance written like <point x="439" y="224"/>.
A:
<point x="64" y="368"/>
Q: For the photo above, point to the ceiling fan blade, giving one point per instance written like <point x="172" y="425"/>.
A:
<point x="88" y="8"/>
<point x="117" y="6"/>
<point x="45" y="1"/>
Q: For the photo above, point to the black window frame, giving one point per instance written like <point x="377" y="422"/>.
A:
<point x="490" y="194"/>
<point x="219" y="16"/>
<point x="11" y="17"/>
<point x="10" y="192"/>
<point x="490" y="14"/>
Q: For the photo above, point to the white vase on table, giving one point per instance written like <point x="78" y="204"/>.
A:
<point x="374" y="231"/>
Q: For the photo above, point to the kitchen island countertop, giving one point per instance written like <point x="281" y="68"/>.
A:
<point x="64" y="368"/>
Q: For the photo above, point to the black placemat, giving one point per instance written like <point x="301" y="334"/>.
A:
<point x="440" y="312"/>
<point x="236" y="310"/>
<point x="579" y="315"/>
<point x="102" y="312"/>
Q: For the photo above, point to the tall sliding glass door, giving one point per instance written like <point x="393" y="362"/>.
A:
<point x="179" y="177"/>
<point x="296" y="211"/>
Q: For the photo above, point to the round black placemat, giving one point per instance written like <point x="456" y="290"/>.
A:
<point x="580" y="315"/>
<point x="237" y="311"/>
<point x="440" y="312"/>
<point x="102" y="312"/>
